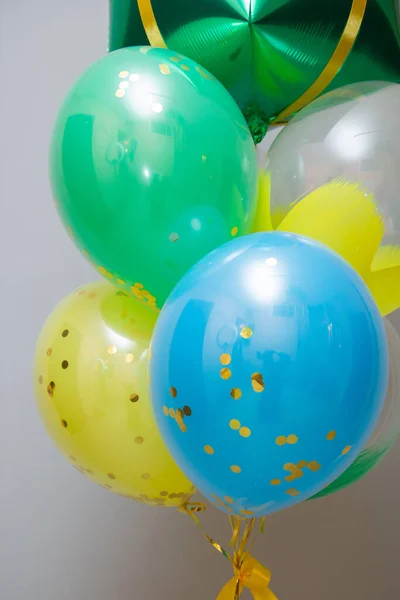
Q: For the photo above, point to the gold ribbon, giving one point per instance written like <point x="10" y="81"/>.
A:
<point x="248" y="573"/>
<point x="150" y="24"/>
<point x="334" y="64"/>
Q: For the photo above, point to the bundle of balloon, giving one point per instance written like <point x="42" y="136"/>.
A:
<point x="237" y="344"/>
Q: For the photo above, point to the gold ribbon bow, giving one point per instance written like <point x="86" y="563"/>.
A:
<point x="249" y="573"/>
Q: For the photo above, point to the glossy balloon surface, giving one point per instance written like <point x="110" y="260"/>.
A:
<point x="386" y="431"/>
<point x="275" y="347"/>
<point x="91" y="388"/>
<point x="350" y="136"/>
<point x="152" y="166"/>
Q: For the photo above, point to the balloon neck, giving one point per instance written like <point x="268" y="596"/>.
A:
<point x="257" y="121"/>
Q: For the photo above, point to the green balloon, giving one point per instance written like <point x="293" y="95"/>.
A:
<point x="268" y="52"/>
<point x="152" y="166"/>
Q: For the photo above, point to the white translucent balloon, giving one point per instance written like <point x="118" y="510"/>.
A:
<point x="351" y="134"/>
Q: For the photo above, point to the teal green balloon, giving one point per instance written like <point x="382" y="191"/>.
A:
<point x="152" y="166"/>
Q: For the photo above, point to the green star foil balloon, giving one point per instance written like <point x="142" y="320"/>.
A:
<point x="274" y="56"/>
<point x="152" y="166"/>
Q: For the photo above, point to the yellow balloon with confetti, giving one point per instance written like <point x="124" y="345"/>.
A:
<point x="91" y="387"/>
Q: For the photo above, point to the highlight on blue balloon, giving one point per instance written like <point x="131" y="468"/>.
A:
<point x="268" y="372"/>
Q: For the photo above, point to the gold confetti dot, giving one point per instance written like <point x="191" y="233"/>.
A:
<point x="235" y="469"/>
<point x="164" y="493"/>
<point x="173" y="391"/>
<point x="65" y="333"/>
<point x="139" y="440"/>
<point x="179" y="413"/>
<point x="64" y="364"/>
<point x="112" y="349"/>
<point x="346" y="450"/>
<point x="40" y="379"/>
<point x="111" y="475"/>
<point x="172" y="413"/>
<point x="234" y="424"/>
<point x="173" y="237"/>
<point x="314" y="466"/>
<point x="225" y="359"/>
<point x="134" y="397"/>
<point x="129" y="357"/>
<point x="292" y="492"/>
<point x="49" y="351"/>
<point x="164" y="69"/>
<point x="257" y="382"/>
<point x="182" y="427"/>
<point x="92" y="295"/>
<point x="145" y="475"/>
<point x="85" y="253"/>
<point x="290" y="478"/>
<point x="187" y="410"/>
<point x="185" y="67"/>
<point x="245" y="432"/>
<point x="292" y="439"/>
<point x="208" y="449"/>
<point x="203" y="73"/>
<point x="175" y="58"/>
<point x="70" y="233"/>
<point x="228" y="500"/>
<point x="236" y="393"/>
<point x="173" y="496"/>
<point x="234" y="231"/>
<point x="246" y="332"/>
<point x="280" y="440"/>
<point x="225" y="373"/>
<point x="120" y="93"/>
<point x="289" y="467"/>
<point x="51" y="388"/>
<point x="331" y="435"/>
<point x="302" y="464"/>
<point x="64" y="423"/>
<point x="165" y="410"/>
<point x="120" y="281"/>
<point x="247" y="512"/>
<point x="123" y="74"/>
<point x="275" y="482"/>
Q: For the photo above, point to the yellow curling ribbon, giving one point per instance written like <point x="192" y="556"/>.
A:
<point x="248" y="573"/>
<point x="335" y="63"/>
<point x="150" y="24"/>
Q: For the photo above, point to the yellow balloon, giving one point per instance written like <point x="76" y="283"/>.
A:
<point x="91" y="387"/>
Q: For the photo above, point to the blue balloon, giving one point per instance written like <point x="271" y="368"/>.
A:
<point x="268" y="372"/>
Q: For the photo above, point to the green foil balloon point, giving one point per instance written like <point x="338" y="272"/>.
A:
<point x="152" y="166"/>
<point x="268" y="53"/>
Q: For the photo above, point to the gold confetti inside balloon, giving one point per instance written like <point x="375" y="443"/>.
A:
<point x="91" y="387"/>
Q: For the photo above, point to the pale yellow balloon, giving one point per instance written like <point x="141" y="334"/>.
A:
<point x="91" y="387"/>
